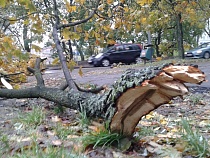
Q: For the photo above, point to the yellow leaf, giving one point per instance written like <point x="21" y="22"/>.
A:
<point x="30" y="6"/>
<point x="163" y="121"/>
<point x="71" y="64"/>
<point x="80" y="71"/>
<point x="144" y="2"/>
<point x="107" y="28"/>
<point x="16" y="86"/>
<point x="159" y="58"/>
<point x="69" y="7"/>
<point x="75" y="36"/>
<point x="26" y="22"/>
<point x="126" y="9"/>
<point x="12" y="20"/>
<point x="137" y="28"/>
<point x="36" y="48"/>
<point x="66" y="33"/>
<point x="80" y="1"/>
<point x="111" y="42"/>
<point x="97" y="35"/>
<point x="2" y="3"/>
<point x="143" y="20"/>
<point x="109" y="1"/>
<point x="55" y="61"/>
<point x="149" y="116"/>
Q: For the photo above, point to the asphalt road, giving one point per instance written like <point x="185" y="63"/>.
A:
<point x="107" y="75"/>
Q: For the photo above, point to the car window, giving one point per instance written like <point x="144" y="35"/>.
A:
<point x="128" y="47"/>
<point x="204" y="45"/>
<point x="107" y="48"/>
<point x="136" y="47"/>
<point x="119" y="48"/>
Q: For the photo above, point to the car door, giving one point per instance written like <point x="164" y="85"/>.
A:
<point x="116" y="54"/>
<point x="130" y="53"/>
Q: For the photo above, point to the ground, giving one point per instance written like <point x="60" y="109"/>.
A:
<point x="157" y="134"/>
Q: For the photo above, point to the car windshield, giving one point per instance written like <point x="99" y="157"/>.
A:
<point x="204" y="45"/>
<point x="106" y="49"/>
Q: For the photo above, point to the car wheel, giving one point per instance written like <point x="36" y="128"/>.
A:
<point x="206" y="55"/>
<point x="105" y="62"/>
<point x="138" y="60"/>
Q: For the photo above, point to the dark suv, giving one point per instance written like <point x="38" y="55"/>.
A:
<point x="125" y="53"/>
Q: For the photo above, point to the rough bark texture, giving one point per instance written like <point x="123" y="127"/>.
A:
<point x="135" y="94"/>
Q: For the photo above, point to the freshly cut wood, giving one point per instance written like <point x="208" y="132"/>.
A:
<point x="133" y="95"/>
<point x="138" y="101"/>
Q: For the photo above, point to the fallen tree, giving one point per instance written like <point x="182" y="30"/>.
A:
<point x="135" y="94"/>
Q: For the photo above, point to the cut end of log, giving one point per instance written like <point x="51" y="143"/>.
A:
<point x="139" y="100"/>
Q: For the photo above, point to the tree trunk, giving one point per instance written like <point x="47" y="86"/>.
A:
<point x="26" y="40"/>
<point x="135" y="94"/>
<point x="59" y="49"/>
<point x="157" y="42"/>
<point x="179" y="35"/>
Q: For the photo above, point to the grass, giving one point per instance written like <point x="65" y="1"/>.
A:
<point x="62" y="132"/>
<point x="195" y="98"/>
<point x="4" y="143"/>
<point x="145" y="131"/>
<point x="32" y="118"/>
<point x="49" y="152"/>
<point x="83" y="118"/>
<point x="102" y="138"/>
<point x="196" y="142"/>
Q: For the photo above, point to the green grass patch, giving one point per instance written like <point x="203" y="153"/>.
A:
<point x="102" y="138"/>
<point x="62" y="132"/>
<point x="32" y="118"/>
<point x="197" y="144"/>
<point x="83" y="118"/>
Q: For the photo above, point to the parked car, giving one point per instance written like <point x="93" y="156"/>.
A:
<point x="202" y="51"/>
<point x="125" y="53"/>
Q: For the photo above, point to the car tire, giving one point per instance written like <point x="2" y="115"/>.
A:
<point x="206" y="55"/>
<point x="105" y="62"/>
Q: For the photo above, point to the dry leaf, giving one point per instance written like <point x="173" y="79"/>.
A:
<point x="50" y="133"/>
<point x="57" y="142"/>
<point x="56" y="119"/>
<point x="72" y="136"/>
<point x="80" y="71"/>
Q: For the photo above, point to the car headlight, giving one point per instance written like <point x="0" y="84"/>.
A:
<point x="185" y="53"/>
<point x="199" y="51"/>
<point x="99" y="55"/>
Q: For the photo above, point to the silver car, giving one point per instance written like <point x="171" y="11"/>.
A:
<point x="202" y="51"/>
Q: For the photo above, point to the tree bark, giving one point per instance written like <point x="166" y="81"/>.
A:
<point x="157" y="42"/>
<point x="135" y="94"/>
<point x="26" y="40"/>
<point x="179" y="35"/>
<point x="59" y="49"/>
